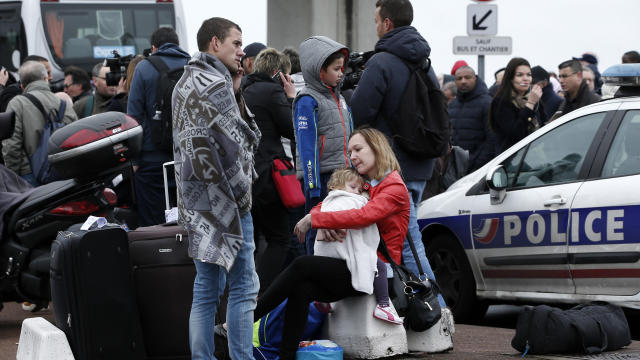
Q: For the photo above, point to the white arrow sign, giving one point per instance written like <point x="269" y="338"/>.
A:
<point x="482" y="19"/>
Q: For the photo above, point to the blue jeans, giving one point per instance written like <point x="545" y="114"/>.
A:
<point x="243" y="290"/>
<point x="415" y="194"/>
<point x="31" y="179"/>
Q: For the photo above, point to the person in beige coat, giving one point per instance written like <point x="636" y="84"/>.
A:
<point x="18" y="149"/>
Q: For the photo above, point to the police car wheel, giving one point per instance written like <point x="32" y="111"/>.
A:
<point x="455" y="277"/>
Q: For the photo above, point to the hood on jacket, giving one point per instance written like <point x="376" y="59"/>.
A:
<point x="39" y="85"/>
<point x="313" y="52"/>
<point x="170" y="49"/>
<point x="479" y="89"/>
<point x="357" y="200"/>
<point x="209" y="62"/>
<point x="258" y="77"/>
<point x="404" y="42"/>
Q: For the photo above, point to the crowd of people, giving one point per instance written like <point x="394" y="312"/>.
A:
<point x="255" y="104"/>
<point x="487" y="120"/>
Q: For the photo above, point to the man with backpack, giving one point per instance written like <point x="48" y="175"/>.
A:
<point x="30" y="109"/>
<point x="152" y="84"/>
<point x="378" y="100"/>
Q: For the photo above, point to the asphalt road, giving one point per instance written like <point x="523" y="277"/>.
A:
<point x="490" y="339"/>
<point x="10" y="321"/>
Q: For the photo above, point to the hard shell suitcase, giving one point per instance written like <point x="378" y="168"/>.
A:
<point x="163" y="276"/>
<point x="88" y="146"/>
<point x="93" y="295"/>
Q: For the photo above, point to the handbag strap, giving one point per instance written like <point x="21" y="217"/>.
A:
<point x="399" y="268"/>
<point x="382" y="246"/>
<point x="415" y="255"/>
<point x="40" y="107"/>
<point x="282" y="160"/>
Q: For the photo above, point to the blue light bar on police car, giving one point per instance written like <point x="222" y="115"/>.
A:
<point x="622" y="75"/>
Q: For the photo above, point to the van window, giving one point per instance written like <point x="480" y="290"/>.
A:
<point x="86" y="33"/>
<point x="12" y="39"/>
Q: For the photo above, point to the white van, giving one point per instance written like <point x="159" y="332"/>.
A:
<point x="82" y="32"/>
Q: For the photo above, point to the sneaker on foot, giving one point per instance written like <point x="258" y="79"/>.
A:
<point x="27" y="306"/>
<point x="387" y="313"/>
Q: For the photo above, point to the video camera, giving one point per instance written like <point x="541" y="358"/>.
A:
<point x="355" y="67"/>
<point x="117" y="67"/>
<point x="56" y="85"/>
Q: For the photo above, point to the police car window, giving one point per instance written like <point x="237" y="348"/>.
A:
<point x="512" y="164"/>
<point x="557" y="156"/>
<point x="624" y="155"/>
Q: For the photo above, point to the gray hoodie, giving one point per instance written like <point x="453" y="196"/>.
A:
<point x="331" y="121"/>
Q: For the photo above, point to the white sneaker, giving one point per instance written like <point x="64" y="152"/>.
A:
<point x="387" y="313"/>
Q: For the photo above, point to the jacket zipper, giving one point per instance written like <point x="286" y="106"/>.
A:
<point x="344" y="129"/>
<point x="322" y="137"/>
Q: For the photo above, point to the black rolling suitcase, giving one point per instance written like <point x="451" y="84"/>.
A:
<point x="93" y="295"/>
<point x="163" y="275"/>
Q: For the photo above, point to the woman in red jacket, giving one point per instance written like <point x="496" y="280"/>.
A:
<point x="327" y="279"/>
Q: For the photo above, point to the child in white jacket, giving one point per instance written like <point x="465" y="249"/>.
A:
<point x="359" y="248"/>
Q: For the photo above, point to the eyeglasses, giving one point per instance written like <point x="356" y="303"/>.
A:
<point x="564" y="76"/>
<point x="66" y="86"/>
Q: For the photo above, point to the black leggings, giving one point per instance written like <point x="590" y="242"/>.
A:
<point x="308" y="278"/>
<point x="381" y="284"/>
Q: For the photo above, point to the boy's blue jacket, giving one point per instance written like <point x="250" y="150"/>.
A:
<point x="321" y="119"/>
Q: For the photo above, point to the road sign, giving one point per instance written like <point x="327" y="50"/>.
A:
<point x="482" y="19"/>
<point x="482" y="45"/>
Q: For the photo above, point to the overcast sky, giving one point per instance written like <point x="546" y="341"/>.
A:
<point x="545" y="32"/>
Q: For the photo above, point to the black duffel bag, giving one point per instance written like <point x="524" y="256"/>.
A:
<point x="587" y="328"/>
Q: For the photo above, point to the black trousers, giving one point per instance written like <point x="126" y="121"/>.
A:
<point x="308" y="278"/>
<point x="271" y="219"/>
<point x="149" y="189"/>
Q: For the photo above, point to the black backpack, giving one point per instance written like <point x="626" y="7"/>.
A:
<point x="40" y="166"/>
<point x="161" y="124"/>
<point x="420" y="126"/>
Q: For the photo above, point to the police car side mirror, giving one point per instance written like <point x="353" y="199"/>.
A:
<point x="497" y="182"/>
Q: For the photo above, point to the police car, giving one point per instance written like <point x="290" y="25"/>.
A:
<point x="553" y="219"/>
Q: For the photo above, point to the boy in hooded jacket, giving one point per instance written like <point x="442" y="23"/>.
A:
<point x="321" y="119"/>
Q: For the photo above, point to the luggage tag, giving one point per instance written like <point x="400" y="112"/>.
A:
<point x="99" y="221"/>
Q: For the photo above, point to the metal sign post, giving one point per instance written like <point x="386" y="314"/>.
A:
<point x="482" y="26"/>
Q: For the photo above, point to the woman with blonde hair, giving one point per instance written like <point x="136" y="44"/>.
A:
<point x="328" y="279"/>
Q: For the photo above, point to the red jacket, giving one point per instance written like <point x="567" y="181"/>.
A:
<point x="388" y="209"/>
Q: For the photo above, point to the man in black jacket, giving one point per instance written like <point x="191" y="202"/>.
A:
<point x="378" y="96"/>
<point x="577" y="94"/>
<point x="469" y="113"/>
<point x="270" y="101"/>
<point x="550" y="101"/>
